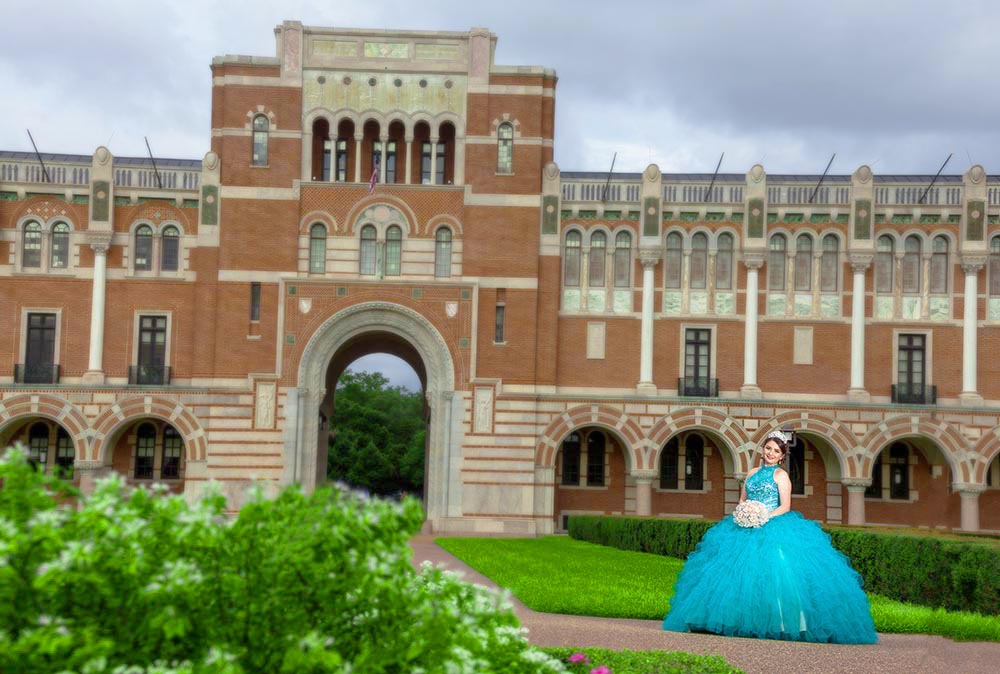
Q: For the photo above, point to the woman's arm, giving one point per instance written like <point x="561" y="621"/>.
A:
<point x="743" y="487"/>
<point x="784" y="492"/>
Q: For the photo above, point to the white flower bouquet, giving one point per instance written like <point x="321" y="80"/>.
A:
<point x="751" y="514"/>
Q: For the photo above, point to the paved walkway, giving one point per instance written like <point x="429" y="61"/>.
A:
<point x="909" y="653"/>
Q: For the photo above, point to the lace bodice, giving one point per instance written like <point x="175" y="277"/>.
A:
<point x="761" y="487"/>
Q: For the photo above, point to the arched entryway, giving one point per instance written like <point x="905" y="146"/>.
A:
<point x="366" y="328"/>
<point x="591" y="475"/>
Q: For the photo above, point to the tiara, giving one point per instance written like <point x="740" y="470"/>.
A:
<point x="776" y="435"/>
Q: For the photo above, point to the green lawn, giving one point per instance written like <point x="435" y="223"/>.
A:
<point x="644" y="662"/>
<point x="557" y="574"/>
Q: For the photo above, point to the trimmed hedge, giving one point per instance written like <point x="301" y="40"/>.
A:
<point x="955" y="575"/>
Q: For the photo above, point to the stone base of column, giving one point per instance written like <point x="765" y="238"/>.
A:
<point x="646" y="388"/>
<point x="750" y="391"/>
<point x="93" y="378"/>
<point x="970" y="399"/>
<point x="859" y="395"/>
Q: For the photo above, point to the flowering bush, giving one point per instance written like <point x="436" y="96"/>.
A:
<point x="751" y="514"/>
<point x="579" y="662"/>
<point x="139" y="582"/>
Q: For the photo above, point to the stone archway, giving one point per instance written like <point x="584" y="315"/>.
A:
<point x="344" y="330"/>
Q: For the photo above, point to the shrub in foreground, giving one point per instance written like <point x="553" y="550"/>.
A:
<point x="139" y="581"/>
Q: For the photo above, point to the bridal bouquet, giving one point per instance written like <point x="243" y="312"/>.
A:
<point x="750" y="514"/>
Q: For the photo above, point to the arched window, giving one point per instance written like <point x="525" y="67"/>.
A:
<point x="668" y="464"/>
<point x="31" y="253"/>
<point x="803" y="263"/>
<point x="38" y="445"/>
<point x="144" y="248"/>
<point x="571" y="459"/>
<point x="776" y="262"/>
<point x="623" y="260"/>
<point x="596" y="443"/>
<point x="672" y="261"/>
<point x="939" y="266"/>
<point x="694" y="460"/>
<point x="995" y="266"/>
<point x="505" y="148"/>
<point x="170" y="249"/>
<point x="885" y="261"/>
<point x="145" y="451"/>
<point x="571" y="260"/>
<point x="261" y="125"/>
<point x="65" y="454"/>
<point x="393" y="250"/>
<point x="59" y="247"/>
<point x="724" y="263"/>
<point x="598" y="254"/>
<point x="368" y="249"/>
<point x="829" y="267"/>
<point x="911" y="265"/>
<point x="442" y="253"/>
<point x="172" y="446"/>
<point x="699" y="261"/>
<point x="317" y="249"/>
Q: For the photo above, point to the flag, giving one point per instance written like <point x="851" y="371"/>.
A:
<point x="374" y="178"/>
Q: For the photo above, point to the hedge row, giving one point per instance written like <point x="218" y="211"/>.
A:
<point x="955" y="575"/>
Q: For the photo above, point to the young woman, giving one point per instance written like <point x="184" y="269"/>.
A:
<point x="779" y="580"/>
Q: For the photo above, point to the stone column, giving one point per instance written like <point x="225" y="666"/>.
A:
<point x="383" y="143"/>
<point x="753" y="263"/>
<point x="99" y="243"/>
<point x="710" y="282"/>
<point x="859" y="264"/>
<point x="648" y="257"/>
<point x="644" y="491"/>
<point x="434" y="160"/>
<point x="969" y="394"/>
<point x="357" y="157"/>
<point x="89" y="472"/>
<point x="855" y="499"/>
<point x="969" y="494"/>
<point x="409" y="160"/>
<point x="458" y="171"/>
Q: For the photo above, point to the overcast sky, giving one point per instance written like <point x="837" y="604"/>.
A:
<point x="896" y="85"/>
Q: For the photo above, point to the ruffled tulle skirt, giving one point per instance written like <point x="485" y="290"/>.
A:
<point x="783" y="580"/>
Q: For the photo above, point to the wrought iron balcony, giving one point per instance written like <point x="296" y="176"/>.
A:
<point x="698" y="387"/>
<point x="914" y="394"/>
<point x="149" y="375"/>
<point x="36" y="373"/>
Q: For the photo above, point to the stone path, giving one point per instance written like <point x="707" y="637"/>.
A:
<point x="909" y="653"/>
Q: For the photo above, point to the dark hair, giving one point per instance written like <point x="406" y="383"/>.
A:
<point x="782" y="445"/>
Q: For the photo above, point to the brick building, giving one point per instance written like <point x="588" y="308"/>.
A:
<point x="586" y="343"/>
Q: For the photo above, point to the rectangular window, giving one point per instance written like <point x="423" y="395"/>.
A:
<point x="151" y="366"/>
<point x="899" y="472"/>
<point x="254" y="301"/>
<point x="341" y="161"/>
<point x="425" y="163"/>
<point x="40" y="350"/>
<point x="724" y="270"/>
<point x="939" y="273"/>
<point x="828" y="271"/>
<point x="499" y="334"/>
<point x="442" y="179"/>
<point x="883" y="272"/>
<point x="697" y="362"/>
<point x="910" y="371"/>
<point x="776" y="270"/>
<point x="595" y="464"/>
<point x="597" y="257"/>
<point x="390" y="162"/>
<point x="672" y="268"/>
<point x="172" y="444"/>
<point x="803" y="270"/>
<point x="145" y="450"/>
<point x="668" y="465"/>
<point x="911" y="273"/>
<point x="327" y="157"/>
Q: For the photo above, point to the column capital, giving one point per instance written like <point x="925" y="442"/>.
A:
<point x="358" y="137"/>
<point x="855" y="483"/>
<point x="88" y="465"/>
<point x="860" y="261"/>
<point x="971" y="264"/>
<point x="99" y="241"/>
<point x="407" y="139"/>
<point x="649" y="257"/>
<point x="753" y="260"/>
<point x="645" y="475"/>
<point x="968" y="489"/>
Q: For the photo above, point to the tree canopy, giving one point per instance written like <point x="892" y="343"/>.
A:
<point x="377" y="435"/>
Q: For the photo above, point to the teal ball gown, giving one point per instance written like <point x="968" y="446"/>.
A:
<point x="783" y="580"/>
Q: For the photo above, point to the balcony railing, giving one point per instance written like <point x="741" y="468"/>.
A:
<point x="36" y="373"/>
<point x="914" y="394"/>
<point x="149" y="375"/>
<point x="698" y="387"/>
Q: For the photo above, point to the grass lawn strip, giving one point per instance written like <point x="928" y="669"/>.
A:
<point x="557" y="574"/>
<point x="646" y="662"/>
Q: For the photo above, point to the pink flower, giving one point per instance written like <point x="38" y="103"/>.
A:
<point x="579" y="657"/>
<point x="603" y="669"/>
